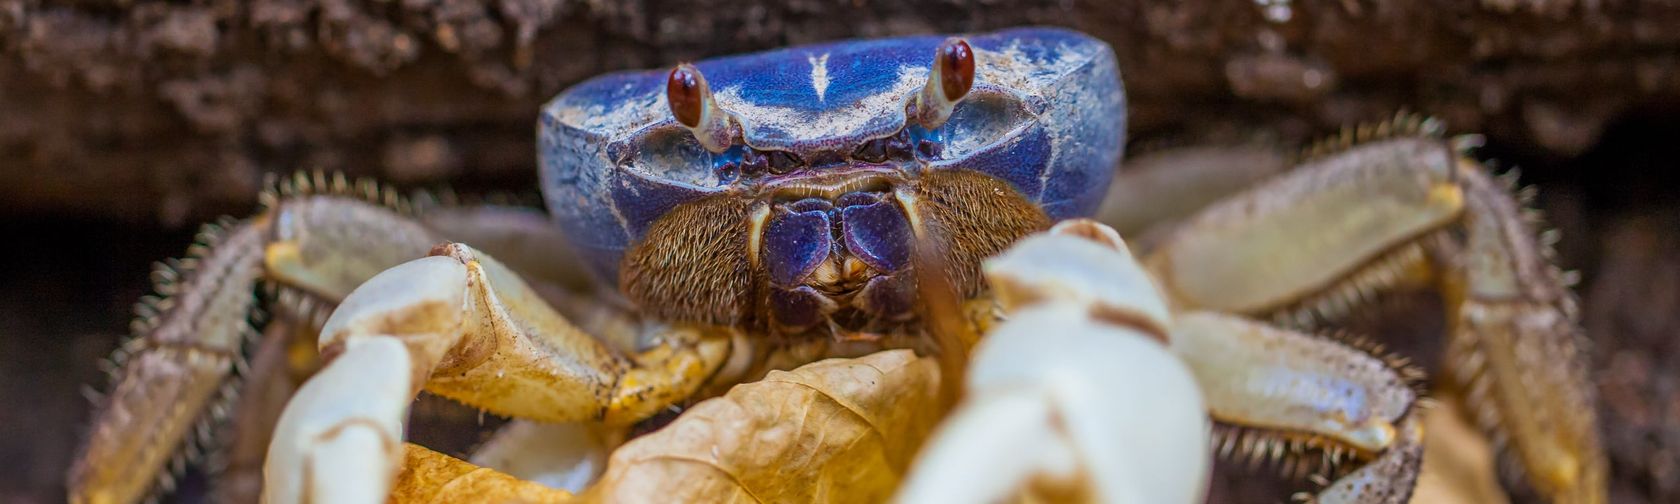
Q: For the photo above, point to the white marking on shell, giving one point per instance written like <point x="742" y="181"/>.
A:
<point x="829" y="122"/>
<point x="819" y="74"/>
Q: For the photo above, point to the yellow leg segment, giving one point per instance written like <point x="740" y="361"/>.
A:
<point x="1308" y="248"/>
<point x="1515" y="347"/>
<point x="462" y="326"/>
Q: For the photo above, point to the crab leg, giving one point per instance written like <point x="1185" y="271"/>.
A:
<point x="176" y="374"/>
<point x="317" y="238"/>
<point x="170" y="376"/>
<point x="462" y="326"/>
<point x="1307" y="403"/>
<point x="1271" y="391"/>
<point x="1515" y="346"/>
<point x="1407" y="209"/>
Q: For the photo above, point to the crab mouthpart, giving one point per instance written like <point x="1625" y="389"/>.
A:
<point x="832" y="186"/>
<point x="832" y="247"/>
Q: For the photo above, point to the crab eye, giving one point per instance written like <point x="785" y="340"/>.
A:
<point x="690" y="99"/>
<point x="949" y="80"/>
<point x="956" y="68"/>
<point x="873" y="151"/>
<point x="683" y="91"/>
<point x="782" y="162"/>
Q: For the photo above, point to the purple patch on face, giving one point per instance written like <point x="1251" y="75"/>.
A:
<point x="878" y="234"/>
<point x="794" y="244"/>
<point x="888" y="297"/>
<point x="799" y="308"/>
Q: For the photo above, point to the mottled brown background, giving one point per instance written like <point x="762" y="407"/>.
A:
<point x="124" y="123"/>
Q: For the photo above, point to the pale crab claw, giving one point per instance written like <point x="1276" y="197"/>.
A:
<point x="691" y="102"/>
<point x="1076" y="394"/>
<point x="949" y="80"/>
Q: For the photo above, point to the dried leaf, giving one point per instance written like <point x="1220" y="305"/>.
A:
<point x="839" y="430"/>
<point x="428" y="476"/>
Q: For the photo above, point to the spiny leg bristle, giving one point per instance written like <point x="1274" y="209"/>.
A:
<point x="300" y="306"/>
<point x="1402" y="125"/>
<point x="1360" y="289"/>
<point x="318" y="182"/>
<point x="168" y="278"/>
<point x="415" y="202"/>
<point x="1411" y="375"/>
<point x="1293" y="455"/>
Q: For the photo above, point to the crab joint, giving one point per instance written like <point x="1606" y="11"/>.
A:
<point x="949" y="80"/>
<point x="691" y="102"/>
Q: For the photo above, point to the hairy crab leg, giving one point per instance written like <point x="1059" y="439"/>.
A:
<point x="1395" y="207"/>
<point x="1278" y="393"/>
<point x="316" y="239"/>
<point x="462" y="326"/>
<point x="170" y="376"/>
<point x="1516" y="345"/>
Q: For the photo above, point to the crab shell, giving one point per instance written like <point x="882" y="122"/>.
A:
<point x="1046" y="114"/>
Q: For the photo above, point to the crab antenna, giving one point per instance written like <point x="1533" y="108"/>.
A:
<point x="948" y="82"/>
<point x="692" y="104"/>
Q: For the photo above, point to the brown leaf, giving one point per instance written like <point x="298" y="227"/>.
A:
<point x="428" y="476"/>
<point x="839" y="430"/>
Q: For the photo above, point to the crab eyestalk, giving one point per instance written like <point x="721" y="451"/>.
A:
<point x="948" y="82"/>
<point x="693" y="106"/>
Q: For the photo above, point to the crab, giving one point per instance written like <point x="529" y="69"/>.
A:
<point x="759" y="212"/>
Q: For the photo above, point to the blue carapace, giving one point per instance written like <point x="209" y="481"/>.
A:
<point x="820" y="151"/>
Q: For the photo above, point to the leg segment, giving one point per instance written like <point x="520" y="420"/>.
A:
<point x="317" y="239"/>
<point x="1516" y="346"/>
<point x="171" y="376"/>
<point x="177" y="372"/>
<point x="1410" y="211"/>
<point x="462" y="326"/>
<point x="1257" y="376"/>
<point x="1306" y="403"/>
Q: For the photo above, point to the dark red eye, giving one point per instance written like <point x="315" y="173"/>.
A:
<point x="956" y="68"/>
<point x="685" y="91"/>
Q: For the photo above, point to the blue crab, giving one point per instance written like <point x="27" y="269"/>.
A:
<point x="763" y="211"/>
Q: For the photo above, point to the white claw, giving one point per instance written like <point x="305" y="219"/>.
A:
<point x="339" y="439"/>
<point x="1061" y="395"/>
<point x="1086" y="267"/>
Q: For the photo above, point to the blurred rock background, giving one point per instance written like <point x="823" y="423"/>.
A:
<point x="123" y="124"/>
